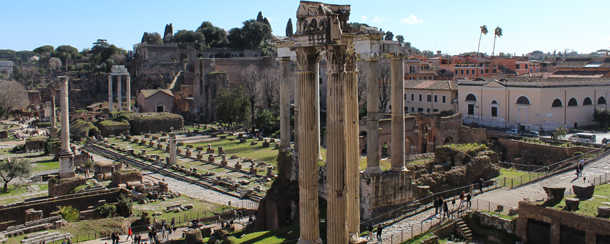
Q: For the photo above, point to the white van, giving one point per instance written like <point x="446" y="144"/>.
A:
<point x="583" y="137"/>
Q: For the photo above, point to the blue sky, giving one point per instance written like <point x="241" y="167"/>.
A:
<point x="451" y="26"/>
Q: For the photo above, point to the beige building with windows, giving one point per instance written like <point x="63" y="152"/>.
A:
<point x="532" y="103"/>
<point x="429" y="96"/>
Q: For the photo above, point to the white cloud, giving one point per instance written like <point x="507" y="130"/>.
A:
<point x="379" y="19"/>
<point x="412" y="19"/>
<point x="364" y="18"/>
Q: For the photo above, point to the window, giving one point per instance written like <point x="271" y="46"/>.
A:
<point x="601" y="100"/>
<point x="429" y="98"/>
<point x="471" y="97"/>
<point x="523" y="100"/>
<point x="481" y="71"/>
<point x="420" y="97"/>
<point x="470" y="109"/>
<point x="412" y="97"/>
<point x="494" y="71"/>
<point x="419" y="110"/>
<point x="434" y="110"/>
<point x="486" y="71"/>
<point x="494" y="111"/>
<point x="412" y="109"/>
<point x="587" y="101"/>
<point x="537" y="70"/>
<point x="494" y="102"/>
<point x="518" y="66"/>
<point x="462" y="71"/>
<point x="435" y="98"/>
<point x="473" y="72"/>
<point x="405" y="97"/>
<point x="557" y="103"/>
<point x="572" y="102"/>
<point x="525" y="66"/>
<point x="456" y="72"/>
<point x="444" y="99"/>
<point x="427" y="110"/>
<point x="467" y="72"/>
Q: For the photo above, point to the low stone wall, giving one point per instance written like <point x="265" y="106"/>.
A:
<point x="593" y="227"/>
<point x="497" y="222"/>
<point x="63" y="186"/>
<point x="536" y="154"/>
<point x="16" y="212"/>
<point x="380" y="193"/>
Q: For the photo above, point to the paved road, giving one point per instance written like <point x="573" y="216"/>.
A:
<point x="192" y="190"/>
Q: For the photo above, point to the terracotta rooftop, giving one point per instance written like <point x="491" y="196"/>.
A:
<point x="149" y="93"/>
<point x="448" y="85"/>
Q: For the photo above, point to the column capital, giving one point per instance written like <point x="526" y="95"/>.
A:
<point x="283" y="59"/>
<point x="307" y="57"/>
<point x="395" y="56"/>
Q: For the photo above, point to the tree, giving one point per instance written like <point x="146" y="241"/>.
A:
<point x="483" y="32"/>
<point x="384" y="76"/>
<point x="356" y="25"/>
<point x="152" y="38"/>
<point x="255" y="33"/>
<point x="11" y="169"/>
<point x="389" y="36"/>
<point x="289" y="31"/>
<point x="270" y="89"/>
<point x="259" y="17"/>
<point x="497" y="33"/>
<point x="265" y="121"/>
<point x="12" y="96"/>
<point x="65" y="52"/>
<point x="231" y="108"/>
<point x="168" y="34"/>
<point x="400" y="39"/>
<point x="53" y="64"/>
<point x="560" y="132"/>
<point x="42" y="50"/>
<point x="602" y="117"/>
<point x="214" y="37"/>
<point x="252" y="89"/>
<point x="187" y="37"/>
<point x="124" y="206"/>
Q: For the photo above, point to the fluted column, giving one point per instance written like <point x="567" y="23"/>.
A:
<point x="172" y="148"/>
<point x="296" y="113"/>
<point x="336" y="145"/>
<point x="128" y="92"/>
<point x="66" y="163"/>
<point x="317" y="104"/>
<point x="284" y="102"/>
<point x="53" y="113"/>
<point x="118" y="91"/>
<point x="398" y="119"/>
<point x="372" y="118"/>
<point x="110" y="93"/>
<point x="308" y="158"/>
<point x="353" y="148"/>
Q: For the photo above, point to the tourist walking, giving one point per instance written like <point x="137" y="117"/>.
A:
<point x="468" y="198"/>
<point x="577" y="171"/>
<point x="370" y="229"/>
<point x="481" y="184"/>
<point x="379" y="232"/>
<point x="446" y="209"/>
<point x="435" y="206"/>
<point x="173" y="223"/>
<point x="129" y="234"/>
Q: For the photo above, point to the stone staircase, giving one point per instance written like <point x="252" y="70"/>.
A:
<point x="45" y="237"/>
<point x="463" y="230"/>
<point x="3" y="238"/>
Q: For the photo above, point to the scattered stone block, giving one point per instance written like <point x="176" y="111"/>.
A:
<point x="277" y="146"/>
<point x="180" y="144"/>
<point x="572" y="204"/>
<point x="221" y="151"/>
<point x="584" y="191"/>
<point x="265" y="143"/>
<point x="234" y="156"/>
<point x="272" y="140"/>
<point x="554" y="193"/>
<point x="211" y="159"/>
<point x="188" y="206"/>
<point x="603" y="211"/>
<point x="242" y="140"/>
<point x="253" y="143"/>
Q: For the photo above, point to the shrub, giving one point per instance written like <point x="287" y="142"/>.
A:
<point x="155" y="122"/>
<point x="124" y="207"/>
<point x="69" y="213"/>
<point x="106" y="210"/>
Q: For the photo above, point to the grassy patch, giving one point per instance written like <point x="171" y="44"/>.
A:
<point x="288" y="234"/>
<point x="200" y="209"/>
<point x="45" y="165"/>
<point x="22" y="193"/>
<point x="246" y="150"/>
<point x="589" y="206"/>
<point x="512" y="177"/>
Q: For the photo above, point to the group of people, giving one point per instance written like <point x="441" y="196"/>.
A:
<point x="372" y="230"/>
<point x="442" y="206"/>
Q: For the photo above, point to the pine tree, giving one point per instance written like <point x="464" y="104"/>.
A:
<point x="289" y="30"/>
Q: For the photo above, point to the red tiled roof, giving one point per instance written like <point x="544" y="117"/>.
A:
<point x="448" y="85"/>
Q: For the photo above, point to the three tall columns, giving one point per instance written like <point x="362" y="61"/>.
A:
<point x="119" y="92"/>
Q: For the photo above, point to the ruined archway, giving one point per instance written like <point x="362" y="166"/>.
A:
<point x="448" y="141"/>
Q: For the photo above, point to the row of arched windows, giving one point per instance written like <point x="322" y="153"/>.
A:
<point x="556" y="103"/>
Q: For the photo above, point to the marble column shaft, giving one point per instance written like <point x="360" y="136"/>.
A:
<point x="336" y="164"/>
<point x="128" y="92"/>
<point x="353" y="151"/>
<point x="53" y="113"/>
<point x="110" y="93"/>
<point x="172" y="148"/>
<point x="372" y="118"/>
<point x="317" y="103"/>
<point x="308" y="158"/>
<point x="118" y="91"/>
<point x="65" y="117"/>
<point x="397" y="153"/>
<point x="285" y="102"/>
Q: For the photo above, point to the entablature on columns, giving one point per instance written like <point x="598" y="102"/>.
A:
<point x="118" y="70"/>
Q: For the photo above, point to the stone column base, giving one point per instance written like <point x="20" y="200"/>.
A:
<point x="66" y="166"/>
<point x="318" y="241"/>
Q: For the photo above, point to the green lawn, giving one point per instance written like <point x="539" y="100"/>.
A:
<point x="512" y="177"/>
<point x="44" y="166"/>
<point x="200" y="209"/>
<point x="589" y="206"/>
<point x="21" y="194"/>
<point x="257" y="152"/>
<point x="288" y="234"/>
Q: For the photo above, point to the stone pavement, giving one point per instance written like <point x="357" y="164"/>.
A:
<point x="509" y="198"/>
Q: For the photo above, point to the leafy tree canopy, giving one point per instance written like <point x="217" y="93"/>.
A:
<point x="44" y="49"/>
<point x="11" y="169"/>
<point x="215" y="37"/>
<point x="232" y="107"/>
<point x="152" y="38"/>
<point x="188" y="37"/>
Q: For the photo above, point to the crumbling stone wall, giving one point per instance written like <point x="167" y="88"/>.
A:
<point x="126" y="175"/>
<point x="592" y="226"/>
<point x="535" y="154"/>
